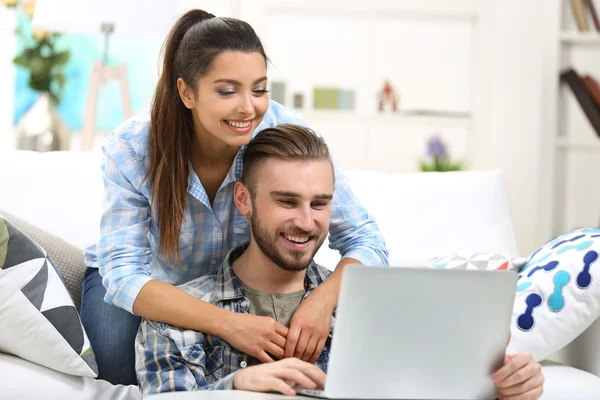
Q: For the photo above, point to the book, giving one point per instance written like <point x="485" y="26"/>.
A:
<point x="579" y="14"/>
<point x="593" y="88"/>
<point x="585" y="100"/>
<point x="590" y="6"/>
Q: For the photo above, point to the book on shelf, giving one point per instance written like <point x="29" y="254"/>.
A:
<point x="593" y="88"/>
<point x="589" y="4"/>
<point x="589" y="106"/>
<point x="578" y="9"/>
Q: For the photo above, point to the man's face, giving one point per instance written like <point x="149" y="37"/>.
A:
<point x="291" y="209"/>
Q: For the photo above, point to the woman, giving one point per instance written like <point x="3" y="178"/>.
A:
<point x="169" y="215"/>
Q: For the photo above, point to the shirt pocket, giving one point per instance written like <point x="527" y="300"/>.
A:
<point x="209" y="359"/>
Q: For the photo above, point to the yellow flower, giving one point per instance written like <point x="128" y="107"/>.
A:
<point x="41" y="34"/>
<point x="10" y="3"/>
<point x="28" y="7"/>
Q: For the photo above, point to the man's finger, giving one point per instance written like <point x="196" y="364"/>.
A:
<point x="281" y="330"/>
<point x="318" y="350"/>
<point x="291" y="340"/>
<point x="301" y="345"/>
<point x="521" y="375"/>
<point x="278" y="340"/>
<point x="297" y="376"/>
<point x="311" y="346"/>
<point x="312" y="371"/>
<point x="532" y="394"/>
<point x="278" y="385"/>
<point x="275" y="350"/>
<point x="264" y="357"/>
<point x="516" y="363"/>
<point x="524" y="387"/>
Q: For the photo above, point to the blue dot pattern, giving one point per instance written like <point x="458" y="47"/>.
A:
<point x="571" y="259"/>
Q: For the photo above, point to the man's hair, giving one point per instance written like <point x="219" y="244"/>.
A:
<point x="286" y="142"/>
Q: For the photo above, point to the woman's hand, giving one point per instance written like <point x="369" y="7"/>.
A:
<point x="255" y="335"/>
<point x="309" y="329"/>
<point x="280" y="376"/>
<point x="520" y="378"/>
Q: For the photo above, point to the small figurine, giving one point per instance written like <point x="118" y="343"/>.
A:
<point x="388" y="96"/>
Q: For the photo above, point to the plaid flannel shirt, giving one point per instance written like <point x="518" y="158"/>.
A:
<point x="171" y="359"/>
<point x="127" y="250"/>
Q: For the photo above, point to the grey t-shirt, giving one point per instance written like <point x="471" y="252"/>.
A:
<point x="279" y="306"/>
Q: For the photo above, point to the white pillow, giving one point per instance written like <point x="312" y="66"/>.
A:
<point x="558" y="294"/>
<point x="39" y="320"/>
<point x="480" y="261"/>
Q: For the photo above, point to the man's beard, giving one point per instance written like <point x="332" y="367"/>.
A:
<point x="299" y="260"/>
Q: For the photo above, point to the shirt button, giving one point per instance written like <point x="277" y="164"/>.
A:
<point x="243" y="364"/>
<point x="278" y="296"/>
<point x="282" y="313"/>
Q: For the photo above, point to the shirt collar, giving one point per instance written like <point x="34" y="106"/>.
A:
<point x="231" y="286"/>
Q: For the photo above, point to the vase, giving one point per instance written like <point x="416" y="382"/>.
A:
<point x="41" y="128"/>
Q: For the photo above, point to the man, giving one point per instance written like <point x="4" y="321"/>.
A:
<point x="285" y="191"/>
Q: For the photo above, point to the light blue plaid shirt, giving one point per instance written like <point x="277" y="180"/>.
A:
<point x="170" y="359"/>
<point x="127" y="251"/>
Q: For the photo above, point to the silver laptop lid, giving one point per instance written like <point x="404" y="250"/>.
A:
<point x="419" y="333"/>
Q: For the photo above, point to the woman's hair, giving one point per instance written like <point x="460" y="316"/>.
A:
<point x="189" y="50"/>
<point x="286" y="142"/>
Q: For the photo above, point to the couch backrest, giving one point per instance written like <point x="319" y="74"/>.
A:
<point x="422" y="215"/>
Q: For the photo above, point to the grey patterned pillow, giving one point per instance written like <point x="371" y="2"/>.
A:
<point x="67" y="258"/>
<point x="39" y="320"/>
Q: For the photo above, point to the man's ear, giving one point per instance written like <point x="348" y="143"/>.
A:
<point x="241" y="197"/>
<point x="185" y="93"/>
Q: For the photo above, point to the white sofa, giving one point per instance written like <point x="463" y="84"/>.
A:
<point x="421" y="215"/>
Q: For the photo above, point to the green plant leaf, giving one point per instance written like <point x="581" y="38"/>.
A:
<point x="21" y="60"/>
<point x="61" y="58"/>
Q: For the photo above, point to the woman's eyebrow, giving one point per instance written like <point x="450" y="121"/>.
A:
<point x="238" y="83"/>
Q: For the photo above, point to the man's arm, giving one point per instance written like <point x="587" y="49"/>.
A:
<point x="161" y="366"/>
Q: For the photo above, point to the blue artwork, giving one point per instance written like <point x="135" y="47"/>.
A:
<point x="141" y="58"/>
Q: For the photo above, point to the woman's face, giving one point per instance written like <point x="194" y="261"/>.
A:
<point x="231" y="99"/>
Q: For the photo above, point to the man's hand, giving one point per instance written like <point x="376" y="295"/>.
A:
<point x="256" y="336"/>
<point x="280" y="376"/>
<point x="520" y="378"/>
<point x="309" y="329"/>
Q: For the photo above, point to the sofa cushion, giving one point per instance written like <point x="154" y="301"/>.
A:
<point x="67" y="258"/>
<point x="558" y="294"/>
<point x="480" y="261"/>
<point x="39" y="320"/>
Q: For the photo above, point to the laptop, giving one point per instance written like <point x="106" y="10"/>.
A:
<point x="418" y="333"/>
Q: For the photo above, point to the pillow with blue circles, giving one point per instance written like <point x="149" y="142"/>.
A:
<point x="558" y="295"/>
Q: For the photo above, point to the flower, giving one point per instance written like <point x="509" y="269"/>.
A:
<point x="438" y="157"/>
<point x="28" y="8"/>
<point x="10" y="3"/>
<point x="40" y="34"/>
<point x="436" y="147"/>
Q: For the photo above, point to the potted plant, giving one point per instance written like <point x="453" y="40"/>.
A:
<point x="41" y="128"/>
<point x="438" y="158"/>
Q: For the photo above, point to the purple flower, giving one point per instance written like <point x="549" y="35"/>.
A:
<point x="436" y="147"/>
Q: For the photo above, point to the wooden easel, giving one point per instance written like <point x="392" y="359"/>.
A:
<point x="101" y="74"/>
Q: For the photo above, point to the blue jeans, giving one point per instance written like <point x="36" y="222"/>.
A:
<point x="111" y="331"/>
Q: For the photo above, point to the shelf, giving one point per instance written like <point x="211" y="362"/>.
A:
<point x="405" y="118"/>
<point x="569" y="144"/>
<point x="576" y="37"/>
